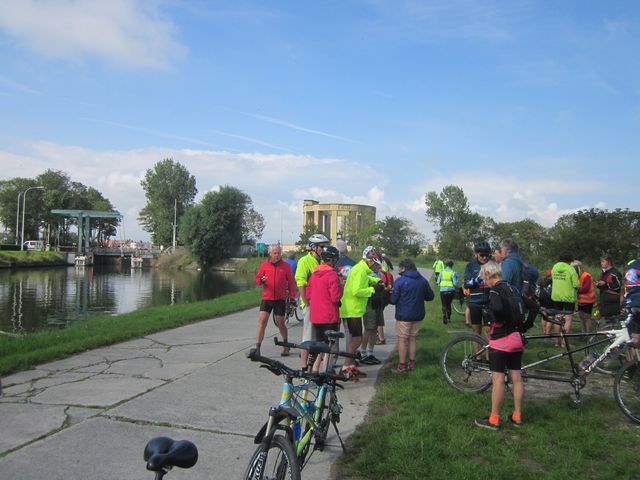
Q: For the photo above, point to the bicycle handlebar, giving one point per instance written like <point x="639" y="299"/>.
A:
<point x="314" y="347"/>
<point x="279" y="368"/>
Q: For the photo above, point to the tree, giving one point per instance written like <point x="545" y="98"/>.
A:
<point x="530" y="236"/>
<point x="458" y="227"/>
<point x="212" y="229"/>
<point x="252" y="226"/>
<point x="167" y="186"/>
<point x="398" y="236"/>
<point x="590" y="233"/>
<point x="308" y="230"/>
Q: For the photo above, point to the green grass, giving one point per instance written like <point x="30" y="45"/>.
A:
<point x="17" y="258"/>
<point x="29" y="350"/>
<point x="419" y="427"/>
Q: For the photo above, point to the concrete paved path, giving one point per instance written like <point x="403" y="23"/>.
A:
<point x="90" y="415"/>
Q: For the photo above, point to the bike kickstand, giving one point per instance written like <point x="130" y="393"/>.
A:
<point x="335" y="427"/>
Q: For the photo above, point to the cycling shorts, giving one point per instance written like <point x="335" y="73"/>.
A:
<point x="320" y="328"/>
<point x="278" y="307"/>
<point x="475" y="312"/>
<point x="354" y="325"/>
<point x="565" y="306"/>
<point x="585" y="308"/>
<point x="500" y="361"/>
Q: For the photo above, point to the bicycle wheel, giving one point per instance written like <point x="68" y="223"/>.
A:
<point x="611" y="363"/>
<point x="626" y="390"/>
<point x="297" y="311"/>
<point x="459" y="306"/>
<point x="278" y="462"/>
<point x="465" y="364"/>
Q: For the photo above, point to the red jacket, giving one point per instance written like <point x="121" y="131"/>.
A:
<point x="324" y="292"/>
<point x="279" y="277"/>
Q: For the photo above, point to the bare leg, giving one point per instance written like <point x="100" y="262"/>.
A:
<point x="412" y="349"/>
<point x="381" y="333"/>
<point x="402" y="349"/>
<point x="518" y="390"/>
<point x="497" y="391"/>
<point x="263" y="318"/>
<point x="284" y="333"/>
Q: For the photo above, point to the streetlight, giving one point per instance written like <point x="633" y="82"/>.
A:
<point x="24" y="202"/>
<point x="175" y="215"/>
<point x="18" y="217"/>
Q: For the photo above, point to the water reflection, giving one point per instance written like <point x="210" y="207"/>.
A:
<point x="33" y="298"/>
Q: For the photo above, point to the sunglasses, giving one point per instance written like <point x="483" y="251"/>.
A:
<point x="485" y="255"/>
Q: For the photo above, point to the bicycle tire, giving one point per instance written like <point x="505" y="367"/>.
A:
<point x="626" y="390"/>
<point x="278" y="462"/>
<point x="459" y="306"/>
<point x="463" y="369"/>
<point x="611" y="363"/>
<point x="297" y="311"/>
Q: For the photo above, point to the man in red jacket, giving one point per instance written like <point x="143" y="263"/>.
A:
<point x="277" y="284"/>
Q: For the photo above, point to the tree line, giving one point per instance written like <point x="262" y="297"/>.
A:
<point x="587" y="233"/>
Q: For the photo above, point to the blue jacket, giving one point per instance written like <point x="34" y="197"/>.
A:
<point x="478" y="289"/>
<point x="410" y="291"/>
<point x="512" y="270"/>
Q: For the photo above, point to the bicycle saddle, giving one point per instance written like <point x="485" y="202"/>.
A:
<point x="164" y="452"/>
<point x="316" y="347"/>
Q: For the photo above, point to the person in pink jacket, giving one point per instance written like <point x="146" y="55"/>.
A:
<point x="324" y="292"/>
<point x="276" y="279"/>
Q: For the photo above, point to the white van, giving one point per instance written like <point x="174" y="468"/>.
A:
<point x="34" y="245"/>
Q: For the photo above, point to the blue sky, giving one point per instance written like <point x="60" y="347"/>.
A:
<point x="532" y="107"/>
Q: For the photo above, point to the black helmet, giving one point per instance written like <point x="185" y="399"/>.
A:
<point x="329" y="254"/>
<point x="482" y="247"/>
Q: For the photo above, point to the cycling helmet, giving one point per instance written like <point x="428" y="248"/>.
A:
<point x="318" y="240"/>
<point x="329" y="254"/>
<point x="370" y="253"/>
<point x="482" y="247"/>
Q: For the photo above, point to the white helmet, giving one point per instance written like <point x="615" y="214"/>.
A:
<point x="370" y="253"/>
<point x="318" y="240"/>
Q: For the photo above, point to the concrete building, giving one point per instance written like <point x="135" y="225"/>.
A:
<point x="338" y="220"/>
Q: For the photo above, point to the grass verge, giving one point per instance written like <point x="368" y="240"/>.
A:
<point x="419" y="427"/>
<point x="26" y="351"/>
<point x="12" y="258"/>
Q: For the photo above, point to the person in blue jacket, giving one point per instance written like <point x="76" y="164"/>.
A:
<point x="478" y="288"/>
<point x="410" y="291"/>
<point x="511" y="263"/>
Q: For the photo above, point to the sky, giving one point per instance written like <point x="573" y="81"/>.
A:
<point x="531" y="107"/>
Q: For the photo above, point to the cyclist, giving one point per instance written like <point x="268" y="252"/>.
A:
<point x="505" y="349"/>
<point x="438" y="268"/>
<point x="632" y="297"/>
<point x="586" y="296"/>
<point x="478" y="288"/>
<point x="324" y="292"/>
<point x="610" y="286"/>
<point x="448" y="283"/>
<point x="277" y="283"/>
<point x="306" y="266"/>
<point x="357" y="290"/>
<point x="511" y="263"/>
<point x="564" y="285"/>
<point x="410" y="292"/>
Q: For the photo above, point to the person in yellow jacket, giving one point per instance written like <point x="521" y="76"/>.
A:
<point x="438" y="268"/>
<point x="448" y="282"/>
<point x="306" y="266"/>
<point x="564" y="287"/>
<point x="357" y="290"/>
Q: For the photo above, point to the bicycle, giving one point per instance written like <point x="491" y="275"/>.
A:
<point x="292" y="309"/>
<point x="464" y="363"/>
<point x="459" y="304"/>
<point x="301" y="417"/>
<point x="164" y="453"/>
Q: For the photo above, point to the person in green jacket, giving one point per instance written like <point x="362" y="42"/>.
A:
<point x="357" y="290"/>
<point x="438" y="268"/>
<point x="306" y="266"/>
<point x="564" y="288"/>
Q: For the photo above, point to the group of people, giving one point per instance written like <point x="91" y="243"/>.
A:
<point x="490" y="280"/>
<point x="336" y="291"/>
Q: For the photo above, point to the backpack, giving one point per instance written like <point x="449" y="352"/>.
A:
<point x="513" y="304"/>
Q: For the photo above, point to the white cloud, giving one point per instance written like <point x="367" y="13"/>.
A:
<point x="120" y="31"/>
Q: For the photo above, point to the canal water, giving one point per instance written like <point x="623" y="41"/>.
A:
<point x="33" y="298"/>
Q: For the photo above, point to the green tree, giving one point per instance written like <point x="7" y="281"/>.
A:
<point x="167" y="185"/>
<point x="9" y="191"/>
<point x="398" y="236"/>
<point x="457" y="226"/>
<point x="252" y="226"/>
<point x="308" y="230"/>
<point x="590" y="233"/>
<point x="530" y="236"/>
<point x="213" y="228"/>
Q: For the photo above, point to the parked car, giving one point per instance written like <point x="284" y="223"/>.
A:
<point x="34" y="245"/>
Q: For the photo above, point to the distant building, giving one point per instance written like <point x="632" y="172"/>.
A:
<point x="338" y="220"/>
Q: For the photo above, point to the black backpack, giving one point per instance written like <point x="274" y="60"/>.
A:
<point x="513" y="304"/>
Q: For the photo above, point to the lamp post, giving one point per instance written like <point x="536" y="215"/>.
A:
<point x="24" y="203"/>
<point x="18" y="217"/>
<point x="175" y="215"/>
